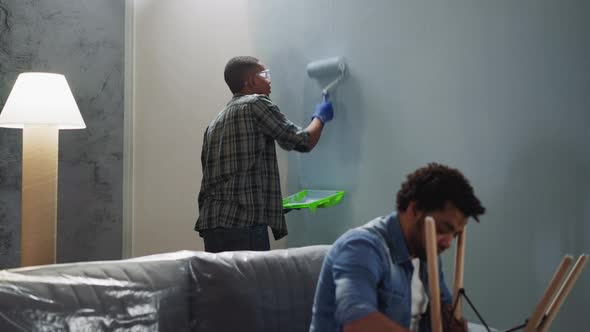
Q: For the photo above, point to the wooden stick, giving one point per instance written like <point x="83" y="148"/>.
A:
<point x="564" y="292"/>
<point x="432" y="259"/>
<point x="544" y="302"/>
<point x="459" y="268"/>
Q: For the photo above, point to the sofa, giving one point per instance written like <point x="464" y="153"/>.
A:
<point x="182" y="291"/>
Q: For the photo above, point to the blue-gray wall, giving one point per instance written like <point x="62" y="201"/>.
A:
<point x="498" y="89"/>
<point x="84" y="40"/>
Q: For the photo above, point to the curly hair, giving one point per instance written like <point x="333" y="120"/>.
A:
<point x="434" y="185"/>
<point x="236" y="71"/>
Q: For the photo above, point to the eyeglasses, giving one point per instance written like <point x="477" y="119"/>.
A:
<point x="264" y="74"/>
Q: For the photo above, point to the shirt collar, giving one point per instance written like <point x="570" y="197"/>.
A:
<point x="396" y="242"/>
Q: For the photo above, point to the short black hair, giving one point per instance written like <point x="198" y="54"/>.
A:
<point x="434" y="185"/>
<point x="237" y="70"/>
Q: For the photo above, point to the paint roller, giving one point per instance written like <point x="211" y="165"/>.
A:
<point x="326" y="68"/>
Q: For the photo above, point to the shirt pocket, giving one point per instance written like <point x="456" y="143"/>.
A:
<point x="389" y="297"/>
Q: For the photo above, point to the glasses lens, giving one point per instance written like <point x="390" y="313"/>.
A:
<point x="265" y="74"/>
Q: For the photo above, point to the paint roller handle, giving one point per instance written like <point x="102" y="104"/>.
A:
<point x="324" y="110"/>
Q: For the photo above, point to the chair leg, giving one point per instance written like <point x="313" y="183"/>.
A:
<point x="432" y="259"/>
<point x="550" y="292"/>
<point x="567" y="286"/>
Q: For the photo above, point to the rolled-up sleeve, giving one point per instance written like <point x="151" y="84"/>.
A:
<point x="356" y="271"/>
<point x="274" y="124"/>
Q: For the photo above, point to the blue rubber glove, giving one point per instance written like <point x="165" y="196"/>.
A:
<point x="324" y="111"/>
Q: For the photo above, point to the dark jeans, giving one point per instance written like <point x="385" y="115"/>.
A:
<point x="233" y="239"/>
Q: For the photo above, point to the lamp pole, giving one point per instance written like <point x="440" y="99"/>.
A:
<point x="39" y="194"/>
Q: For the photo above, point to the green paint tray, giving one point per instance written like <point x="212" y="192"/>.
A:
<point x="312" y="199"/>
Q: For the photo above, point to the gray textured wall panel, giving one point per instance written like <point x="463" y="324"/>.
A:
<point x="84" y="40"/>
<point x="498" y="89"/>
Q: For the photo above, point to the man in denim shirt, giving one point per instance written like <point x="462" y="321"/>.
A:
<point x="368" y="280"/>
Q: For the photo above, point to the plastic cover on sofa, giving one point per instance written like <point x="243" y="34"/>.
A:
<point x="182" y="291"/>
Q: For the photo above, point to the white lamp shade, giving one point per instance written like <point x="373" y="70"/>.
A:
<point x="41" y="99"/>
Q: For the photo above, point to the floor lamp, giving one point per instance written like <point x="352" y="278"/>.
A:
<point x="40" y="104"/>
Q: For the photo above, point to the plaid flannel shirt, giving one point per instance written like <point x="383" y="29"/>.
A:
<point x="241" y="185"/>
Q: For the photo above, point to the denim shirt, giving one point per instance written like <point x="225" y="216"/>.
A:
<point x="369" y="269"/>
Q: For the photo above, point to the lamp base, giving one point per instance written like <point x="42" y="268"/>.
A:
<point x="39" y="195"/>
